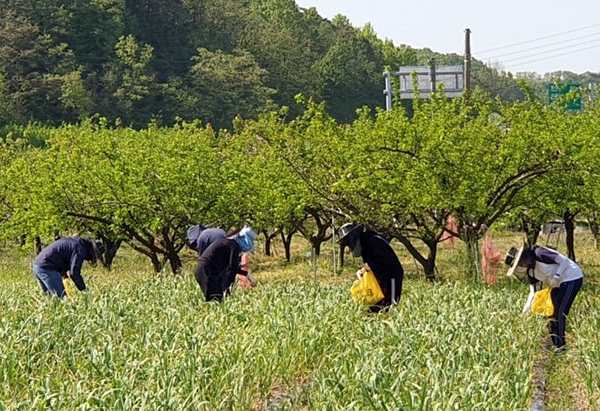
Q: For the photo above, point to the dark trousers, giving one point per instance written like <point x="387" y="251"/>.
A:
<point x="213" y="285"/>
<point x="562" y="298"/>
<point x="392" y="290"/>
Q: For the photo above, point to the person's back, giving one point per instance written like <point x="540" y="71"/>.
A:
<point x="59" y="255"/>
<point x="62" y="256"/>
<point x="219" y="255"/>
<point x="383" y="261"/>
<point x="219" y="264"/>
<point x="207" y="237"/>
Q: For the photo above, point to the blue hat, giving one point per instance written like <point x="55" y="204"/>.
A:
<point x="245" y="239"/>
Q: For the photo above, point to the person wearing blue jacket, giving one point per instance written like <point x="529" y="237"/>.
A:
<point x="559" y="272"/>
<point x="220" y="263"/>
<point x="62" y="256"/>
<point x="200" y="237"/>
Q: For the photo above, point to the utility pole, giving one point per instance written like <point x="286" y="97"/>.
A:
<point x="388" y="90"/>
<point x="467" y="60"/>
<point x="432" y="74"/>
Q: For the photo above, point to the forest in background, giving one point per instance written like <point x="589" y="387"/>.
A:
<point x="157" y="61"/>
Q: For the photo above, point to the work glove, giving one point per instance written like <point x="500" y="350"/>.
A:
<point x="252" y="279"/>
<point x="554" y="281"/>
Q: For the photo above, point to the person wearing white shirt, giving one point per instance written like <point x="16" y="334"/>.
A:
<point x="558" y="272"/>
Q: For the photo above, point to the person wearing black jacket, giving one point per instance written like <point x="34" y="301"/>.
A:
<point x="220" y="263"/>
<point x="379" y="257"/>
<point x="62" y="256"/>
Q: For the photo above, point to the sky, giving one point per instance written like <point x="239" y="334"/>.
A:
<point x="539" y="36"/>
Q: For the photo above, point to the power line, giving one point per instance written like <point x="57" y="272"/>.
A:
<point x="557" y="55"/>
<point x="545" y="45"/>
<point x="551" y="51"/>
<point x="539" y="38"/>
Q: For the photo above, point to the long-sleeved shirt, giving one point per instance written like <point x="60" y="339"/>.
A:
<point x="65" y="254"/>
<point x="552" y="268"/>
<point x="222" y="259"/>
<point x="207" y="237"/>
<point x="384" y="263"/>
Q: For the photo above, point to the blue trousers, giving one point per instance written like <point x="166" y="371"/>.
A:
<point x="50" y="280"/>
<point x="562" y="298"/>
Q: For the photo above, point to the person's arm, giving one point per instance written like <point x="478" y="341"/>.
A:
<point x="76" y="263"/>
<point x="235" y="259"/>
<point x="533" y="287"/>
<point x="548" y="256"/>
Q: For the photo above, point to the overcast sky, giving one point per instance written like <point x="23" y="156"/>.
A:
<point x="516" y="36"/>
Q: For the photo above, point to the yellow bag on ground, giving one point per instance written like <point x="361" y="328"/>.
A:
<point x="542" y="303"/>
<point x="366" y="290"/>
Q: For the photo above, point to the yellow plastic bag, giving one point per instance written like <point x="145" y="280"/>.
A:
<point x="68" y="291"/>
<point x="542" y="303"/>
<point x="366" y="290"/>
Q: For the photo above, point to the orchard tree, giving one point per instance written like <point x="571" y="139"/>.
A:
<point x="145" y="186"/>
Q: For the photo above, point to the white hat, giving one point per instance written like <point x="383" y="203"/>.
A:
<point x="513" y="256"/>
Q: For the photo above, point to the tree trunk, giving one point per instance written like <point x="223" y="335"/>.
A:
<point x="428" y="263"/>
<point x="267" y="244"/>
<point x="316" y="245"/>
<point x="595" y="229"/>
<point x="174" y="260"/>
<point x="471" y="239"/>
<point x="429" y="266"/>
<point x="37" y="242"/>
<point x="156" y="264"/>
<point x="111" y="252"/>
<point x="532" y="230"/>
<point x="269" y="239"/>
<point x="287" y="244"/>
<point x="569" y="220"/>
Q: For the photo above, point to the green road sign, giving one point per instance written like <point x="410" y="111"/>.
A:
<point x="558" y="92"/>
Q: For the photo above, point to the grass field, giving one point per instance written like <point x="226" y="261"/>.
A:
<point x="140" y="341"/>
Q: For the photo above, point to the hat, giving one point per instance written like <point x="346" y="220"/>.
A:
<point x="513" y="256"/>
<point x="95" y="249"/>
<point x="192" y="235"/>
<point x="245" y="239"/>
<point x="345" y="230"/>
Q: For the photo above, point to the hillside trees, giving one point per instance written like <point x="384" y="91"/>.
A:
<point x="349" y="75"/>
<point x="64" y="61"/>
<point x="227" y="85"/>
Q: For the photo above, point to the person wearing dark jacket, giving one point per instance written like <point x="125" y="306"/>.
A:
<point x="379" y="257"/>
<point x="220" y="263"/>
<point x="559" y="272"/>
<point x="62" y="256"/>
<point x="200" y="237"/>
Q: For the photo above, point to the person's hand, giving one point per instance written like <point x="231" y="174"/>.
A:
<point x="252" y="279"/>
<point x="554" y="281"/>
<point x="359" y="273"/>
